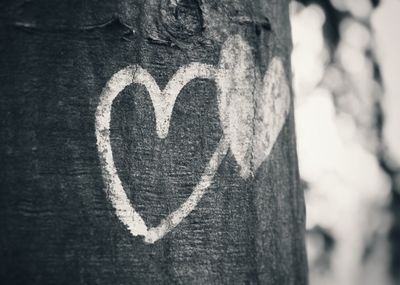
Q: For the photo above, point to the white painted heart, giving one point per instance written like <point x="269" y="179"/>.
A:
<point x="241" y="94"/>
<point x="252" y="110"/>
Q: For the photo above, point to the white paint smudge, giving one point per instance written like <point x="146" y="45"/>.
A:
<point x="273" y="101"/>
<point x="252" y="110"/>
<point x="249" y="130"/>
<point x="236" y="81"/>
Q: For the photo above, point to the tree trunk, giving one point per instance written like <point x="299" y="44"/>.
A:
<point x="148" y="142"/>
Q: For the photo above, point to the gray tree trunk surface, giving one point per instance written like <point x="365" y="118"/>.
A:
<point x="61" y="222"/>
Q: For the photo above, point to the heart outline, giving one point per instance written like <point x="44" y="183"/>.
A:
<point x="163" y="103"/>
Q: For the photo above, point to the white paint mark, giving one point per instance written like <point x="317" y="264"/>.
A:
<point x="236" y="80"/>
<point x="274" y="103"/>
<point x="252" y="113"/>
<point x="163" y="102"/>
<point x="252" y="110"/>
<point x="125" y="212"/>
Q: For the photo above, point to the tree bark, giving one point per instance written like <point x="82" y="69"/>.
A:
<point x="58" y="222"/>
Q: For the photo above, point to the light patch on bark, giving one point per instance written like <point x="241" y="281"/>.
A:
<point x="252" y="110"/>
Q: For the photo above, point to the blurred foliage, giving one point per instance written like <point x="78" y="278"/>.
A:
<point x="346" y="130"/>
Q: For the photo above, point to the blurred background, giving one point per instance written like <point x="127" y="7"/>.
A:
<point x="346" y="65"/>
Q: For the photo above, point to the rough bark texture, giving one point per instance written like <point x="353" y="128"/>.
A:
<point x="57" y="225"/>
